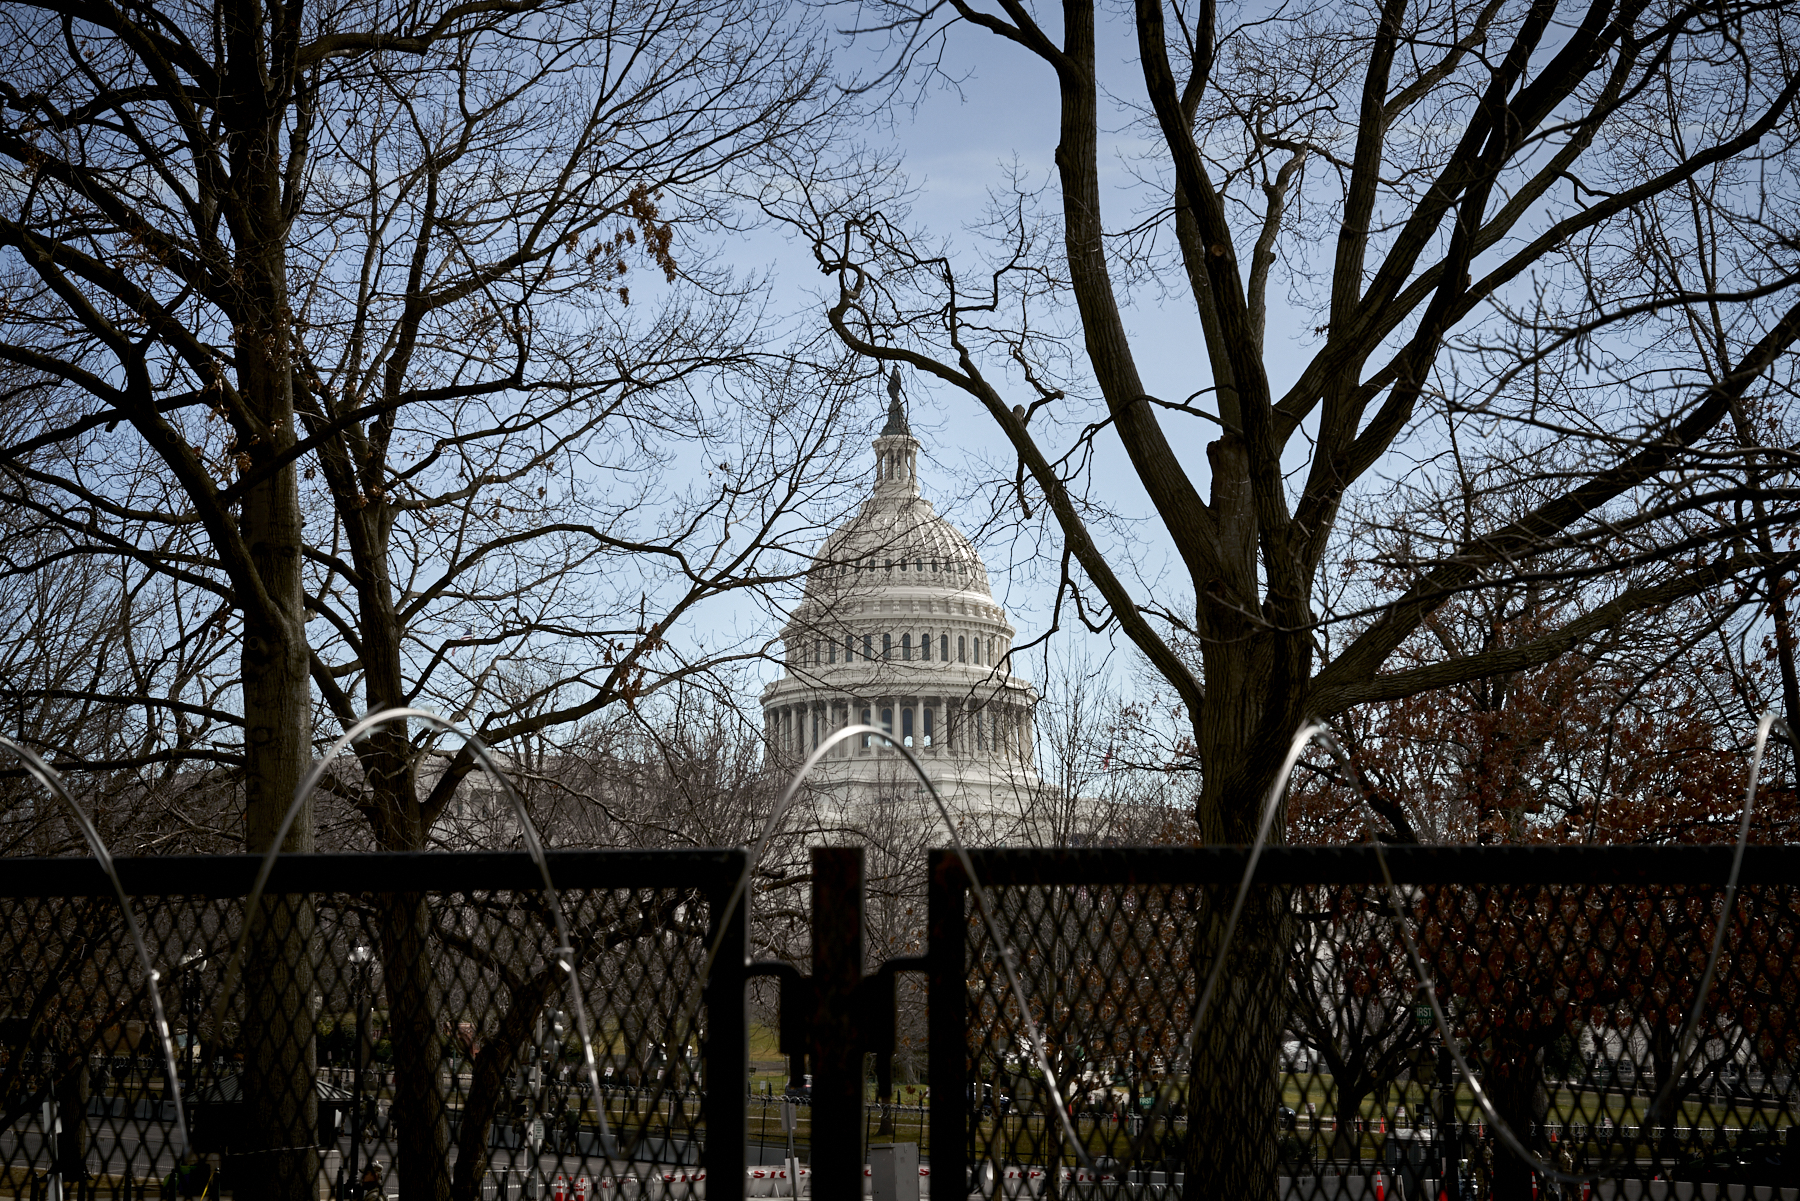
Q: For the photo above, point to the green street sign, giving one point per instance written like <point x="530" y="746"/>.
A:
<point x="1422" y="1012"/>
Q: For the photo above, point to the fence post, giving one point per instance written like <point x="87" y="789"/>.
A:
<point x="946" y="1012"/>
<point x="837" y="900"/>
<point x="725" y="1054"/>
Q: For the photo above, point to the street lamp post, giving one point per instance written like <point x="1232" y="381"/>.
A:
<point x="531" y="1082"/>
<point x="360" y="957"/>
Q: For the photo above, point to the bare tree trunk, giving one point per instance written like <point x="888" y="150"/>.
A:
<point x="1665" y="1040"/>
<point x="1518" y="1090"/>
<point x="279" y="970"/>
<point x="71" y="1106"/>
<point x="419" y="1111"/>
<point x="1346" y="1140"/>
<point x="1234" y="1082"/>
<point x="279" y="976"/>
<point x="493" y="1063"/>
<point x="281" y="1157"/>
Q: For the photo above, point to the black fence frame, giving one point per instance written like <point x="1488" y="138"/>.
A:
<point x="713" y="873"/>
<point x="949" y="906"/>
<point x="843" y="1004"/>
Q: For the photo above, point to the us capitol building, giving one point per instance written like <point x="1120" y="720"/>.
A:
<point x="898" y="629"/>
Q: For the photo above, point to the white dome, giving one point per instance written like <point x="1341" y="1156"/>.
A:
<point x="898" y="540"/>
<point x="898" y="628"/>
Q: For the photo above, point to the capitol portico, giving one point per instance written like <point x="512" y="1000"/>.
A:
<point x="898" y="629"/>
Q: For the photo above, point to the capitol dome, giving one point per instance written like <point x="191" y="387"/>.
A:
<point x="898" y="629"/>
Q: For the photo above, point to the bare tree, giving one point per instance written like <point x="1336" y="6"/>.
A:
<point x="1456" y="196"/>
<point x="339" y="315"/>
<point x="1350" y="1005"/>
<point x="85" y="638"/>
<point x="1101" y="781"/>
<point x="1252" y="128"/>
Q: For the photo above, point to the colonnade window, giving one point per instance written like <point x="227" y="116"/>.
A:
<point x="927" y="720"/>
<point x="887" y="721"/>
<point x="919" y="563"/>
<point x="906" y="726"/>
<point x="825" y="650"/>
<point x="815" y="726"/>
<point x="893" y="466"/>
<point x="866" y="722"/>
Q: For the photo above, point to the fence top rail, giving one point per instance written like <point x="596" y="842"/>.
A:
<point x="1357" y="864"/>
<point x="714" y="870"/>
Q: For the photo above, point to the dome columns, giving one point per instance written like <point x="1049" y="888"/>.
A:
<point x="897" y="465"/>
<point x="932" y="726"/>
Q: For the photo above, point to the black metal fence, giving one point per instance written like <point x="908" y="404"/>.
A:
<point x="1566" y="977"/>
<point x="397" y="1022"/>
<point x="408" y="1012"/>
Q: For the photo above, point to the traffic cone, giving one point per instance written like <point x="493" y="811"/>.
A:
<point x="1380" y="1185"/>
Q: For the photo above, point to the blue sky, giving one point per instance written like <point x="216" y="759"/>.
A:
<point x="958" y="143"/>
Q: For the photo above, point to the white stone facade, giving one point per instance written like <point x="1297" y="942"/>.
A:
<point x="898" y="629"/>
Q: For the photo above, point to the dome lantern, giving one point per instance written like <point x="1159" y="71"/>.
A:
<point x="896" y="450"/>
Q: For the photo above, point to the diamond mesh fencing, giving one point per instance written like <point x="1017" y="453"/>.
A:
<point x="412" y="1036"/>
<point x="1567" y="978"/>
<point x="400" y="1026"/>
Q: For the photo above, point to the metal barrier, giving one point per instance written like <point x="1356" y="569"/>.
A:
<point x="399" y="1016"/>
<point x="1567" y="972"/>
<point x="403" y="1010"/>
